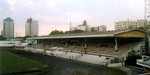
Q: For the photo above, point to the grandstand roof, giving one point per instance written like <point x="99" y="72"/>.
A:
<point x="125" y="34"/>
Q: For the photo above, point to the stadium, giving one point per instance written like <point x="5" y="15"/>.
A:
<point x="110" y="44"/>
<point x="97" y="49"/>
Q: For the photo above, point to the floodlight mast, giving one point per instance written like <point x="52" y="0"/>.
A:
<point x="146" y="16"/>
<point x="147" y="10"/>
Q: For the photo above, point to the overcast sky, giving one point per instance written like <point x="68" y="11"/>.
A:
<point x="56" y="14"/>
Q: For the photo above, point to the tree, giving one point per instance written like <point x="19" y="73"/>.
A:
<point x="24" y="38"/>
<point x="2" y="38"/>
<point x="56" y="32"/>
<point x="35" y="36"/>
<point x="75" y="31"/>
<point x="131" y="58"/>
<point x="93" y="30"/>
<point x="147" y="37"/>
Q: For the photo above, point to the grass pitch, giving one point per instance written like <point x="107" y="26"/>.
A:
<point x="10" y="63"/>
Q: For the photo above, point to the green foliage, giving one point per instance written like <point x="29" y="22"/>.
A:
<point x="2" y="38"/>
<point x="75" y="31"/>
<point x="116" y="60"/>
<point x="132" y="57"/>
<point x="24" y="38"/>
<point x="92" y="30"/>
<point x="56" y="32"/>
<point x="132" y="53"/>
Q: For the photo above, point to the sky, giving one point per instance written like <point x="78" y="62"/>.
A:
<point x="56" y="14"/>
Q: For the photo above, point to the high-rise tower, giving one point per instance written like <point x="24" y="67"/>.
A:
<point x="31" y="28"/>
<point x="8" y="28"/>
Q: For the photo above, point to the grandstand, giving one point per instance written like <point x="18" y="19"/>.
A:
<point x="109" y="43"/>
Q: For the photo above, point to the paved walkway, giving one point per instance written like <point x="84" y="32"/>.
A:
<point x="94" y="59"/>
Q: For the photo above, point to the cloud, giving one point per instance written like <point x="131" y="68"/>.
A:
<point x="29" y="2"/>
<point x="56" y="14"/>
<point x="51" y="4"/>
<point x="1" y="9"/>
<point x="12" y="3"/>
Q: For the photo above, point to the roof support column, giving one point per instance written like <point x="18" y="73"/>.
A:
<point x="52" y="44"/>
<point x="34" y="42"/>
<point x="85" y="46"/>
<point x="85" y="41"/>
<point x="116" y="44"/>
<point x="66" y="43"/>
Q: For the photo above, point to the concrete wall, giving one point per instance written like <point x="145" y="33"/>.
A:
<point x="34" y="42"/>
<point x="8" y="43"/>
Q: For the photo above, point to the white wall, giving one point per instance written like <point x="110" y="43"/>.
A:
<point x="83" y="27"/>
<point x="8" y="43"/>
<point x="34" y="42"/>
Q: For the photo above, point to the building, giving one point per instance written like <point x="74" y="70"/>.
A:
<point x="125" y="25"/>
<point x="31" y="28"/>
<point x="8" y="28"/>
<point x="83" y="27"/>
<point x="98" y="28"/>
<point x="109" y="43"/>
<point x="102" y="28"/>
<point x="147" y="10"/>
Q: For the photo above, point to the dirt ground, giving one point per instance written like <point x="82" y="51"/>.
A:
<point x="59" y="66"/>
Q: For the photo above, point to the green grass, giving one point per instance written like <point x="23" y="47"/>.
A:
<point x="13" y="63"/>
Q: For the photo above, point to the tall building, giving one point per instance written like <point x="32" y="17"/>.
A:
<point x="31" y="28"/>
<point x="98" y="28"/>
<point x="147" y="10"/>
<point x="125" y="25"/>
<point x="8" y="28"/>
